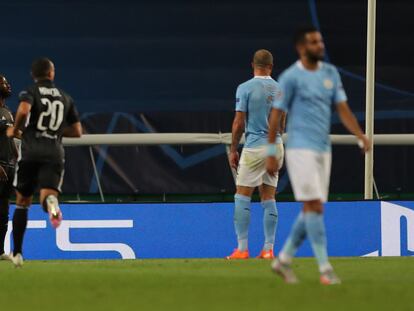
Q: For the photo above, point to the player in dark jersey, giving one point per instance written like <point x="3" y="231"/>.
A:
<point x="50" y="115"/>
<point x="8" y="156"/>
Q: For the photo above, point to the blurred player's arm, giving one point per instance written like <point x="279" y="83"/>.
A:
<point x="283" y="123"/>
<point x="350" y="122"/>
<point x="275" y="124"/>
<point x="21" y="116"/>
<point x="236" y="134"/>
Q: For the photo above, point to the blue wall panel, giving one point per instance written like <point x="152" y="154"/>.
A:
<point x="206" y="230"/>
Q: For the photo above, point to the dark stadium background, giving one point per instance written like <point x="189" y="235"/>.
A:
<point x="173" y="66"/>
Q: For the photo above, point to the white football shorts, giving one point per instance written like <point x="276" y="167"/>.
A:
<point x="252" y="167"/>
<point x="309" y="173"/>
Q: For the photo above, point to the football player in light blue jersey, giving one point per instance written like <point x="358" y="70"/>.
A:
<point x="254" y="100"/>
<point x="310" y="88"/>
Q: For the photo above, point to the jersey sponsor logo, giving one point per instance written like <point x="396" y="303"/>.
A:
<point x="49" y="91"/>
<point x="328" y="84"/>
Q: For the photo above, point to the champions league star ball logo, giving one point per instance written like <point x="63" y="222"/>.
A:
<point x="328" y="84"/>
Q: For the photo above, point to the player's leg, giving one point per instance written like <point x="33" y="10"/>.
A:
<point x="315" y="226"/>
<point x="50" y="204"/>
<point x="25" y="180"/>
<point x="300" y="168"/>
<point x="248" y="178"/>
<point x="6" y="188"/>
<point x="4" y="221"/>
<point x="301" y="178"/>
<point x="19" y="226"/>
<point x="242" y="200"/>
<point x="315" y="229"/>
<point x="270" y="219"/>
<point x="270" y="213"/>
<point x="50" y="182"/>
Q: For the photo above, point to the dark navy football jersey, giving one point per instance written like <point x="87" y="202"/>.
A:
<point x="52" y="111"/>
<point x="8" y="153"/>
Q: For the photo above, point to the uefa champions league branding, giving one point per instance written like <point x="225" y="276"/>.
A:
<point x="397" y="230"/>
<point x="178" y="230"/>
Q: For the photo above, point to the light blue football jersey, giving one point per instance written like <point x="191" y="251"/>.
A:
<point x="255" y="97"/>
<point x="308" y="97"/>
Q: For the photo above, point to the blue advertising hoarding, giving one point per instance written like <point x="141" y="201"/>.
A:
<point x="205" y="230"/>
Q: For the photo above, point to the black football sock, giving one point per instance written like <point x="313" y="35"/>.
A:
<point x="4" y="221"/>
<point x="19" y="228"/>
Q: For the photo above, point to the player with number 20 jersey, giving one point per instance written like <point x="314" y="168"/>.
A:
<point x="45" y="115"/>
<point x="42" y="153"/>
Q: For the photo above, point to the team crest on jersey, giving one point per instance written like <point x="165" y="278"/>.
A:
<point x="328" y="84"/>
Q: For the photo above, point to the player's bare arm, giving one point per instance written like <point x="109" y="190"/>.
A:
<point x="275" y="119"/>
<point x="350" y="122"/>
<point x="22" y="114"/>
<point x="3" y="174"/>
<point x="283" y="122"/>
<point x="74" y="130"/>
<point x="237" y="132"/>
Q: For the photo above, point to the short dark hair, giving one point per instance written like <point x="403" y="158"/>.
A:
<point x="41" y="68"/>
<point x="262" y="58"/>
<point x="300" y="33"/>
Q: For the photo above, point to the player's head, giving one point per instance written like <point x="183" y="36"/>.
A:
<point x="309" y="43"/>
<point x="5" y="88"/>
<point x="262" y="60"/>
<point x="43" y="69"/>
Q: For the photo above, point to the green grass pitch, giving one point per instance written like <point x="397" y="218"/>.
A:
<point x="204" y="284"/>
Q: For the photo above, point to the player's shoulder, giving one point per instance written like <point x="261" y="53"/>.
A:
<point x="6" y="108"/>
<point x="247" y="83"/>
<point x="329" y="68"/>
<point x="290" y="73"/>
<point x="245" y="86"/>
<point x="27" y="91"/>
<point x="64" y="94"/>
<point x="30" y="88"/>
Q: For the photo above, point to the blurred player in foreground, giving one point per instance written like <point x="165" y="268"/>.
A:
<point x="310" y="88"/>
<point x="8" y="156"/>
<point x="51" y="115"/>
<point x="254" y="100"/>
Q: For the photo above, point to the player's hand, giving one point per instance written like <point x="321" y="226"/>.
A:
<point x="18" y="134"/>
<point x="11" y="132"/>
<point x="364" y="143"/>
<point x="272" y="165"/>
<point x="3" y="174"/>
<point x="234" y="159"/>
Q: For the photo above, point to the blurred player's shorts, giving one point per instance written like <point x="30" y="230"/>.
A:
<point x="252" y="167"/>
<point x="309" y="173"/>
